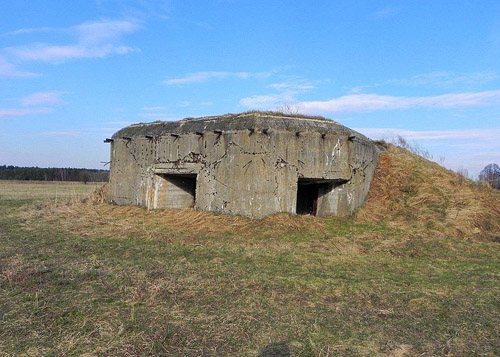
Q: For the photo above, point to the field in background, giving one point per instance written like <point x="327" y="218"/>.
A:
<point x="52" y="190"/>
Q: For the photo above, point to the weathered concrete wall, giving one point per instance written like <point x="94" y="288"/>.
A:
<point x="251" y="169"/>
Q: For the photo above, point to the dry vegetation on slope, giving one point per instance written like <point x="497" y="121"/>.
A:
<point x="415" y="194"/>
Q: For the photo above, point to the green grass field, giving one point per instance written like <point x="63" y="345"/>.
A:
<point x="47" y="190"/>
<point x="83" y="279"/>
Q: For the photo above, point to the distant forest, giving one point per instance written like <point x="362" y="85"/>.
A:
<point x="53" y="174"/>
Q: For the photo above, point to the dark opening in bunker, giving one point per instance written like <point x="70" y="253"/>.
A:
<point x="308" y="194"/>
<point x="176" y="191"/>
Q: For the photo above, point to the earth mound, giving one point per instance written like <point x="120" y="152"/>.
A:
<point x="416" y="194"/>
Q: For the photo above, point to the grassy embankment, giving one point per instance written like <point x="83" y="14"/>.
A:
<point x="93" y="278"/>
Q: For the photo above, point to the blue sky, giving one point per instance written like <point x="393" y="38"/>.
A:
<point x="74" y="72"/>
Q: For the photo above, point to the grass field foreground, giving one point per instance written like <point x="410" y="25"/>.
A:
<point x="96" y="279"/>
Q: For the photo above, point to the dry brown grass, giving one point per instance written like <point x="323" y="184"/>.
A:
<point x="91" y="215"/>
<point x="99" y="195"/>
<point x="415" y="194"/>
<point x="408" y="192"/>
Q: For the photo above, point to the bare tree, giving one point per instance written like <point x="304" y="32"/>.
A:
<point x="288" y="109"/>
<point x="491" y="175"/>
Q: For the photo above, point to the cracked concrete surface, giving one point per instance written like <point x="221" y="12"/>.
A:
<point x="247" y="164"/>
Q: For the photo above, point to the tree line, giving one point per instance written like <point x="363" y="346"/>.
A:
<point x="53" y="174"/>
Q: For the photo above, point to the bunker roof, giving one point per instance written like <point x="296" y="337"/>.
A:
<point x="233" y="122"/>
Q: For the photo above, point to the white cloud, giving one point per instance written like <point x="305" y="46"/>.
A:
<point x="7" y="69"/>
<point x="199" y="77"/>
<point x="267" y="102"/>
<point x="23" y="112"/>
<point x="301" y="86"/>
<point x="465" y="143"/>
<point x="374" y="102"/>
<point x="30" y="30"/>
<point x="491" y="156"/>
<point x="287" y="95"/>
<point x="102" y="31"/>
<point x="434" y="79"/>
<point x="59" y="54"/>
<point x="94" y="39"/>
<point x="468" y="134"/>
<point x="53" y="97"/>
<point x="483" y="145"/>
<point x="446" y="79"/>
<point x="35" y="99"/>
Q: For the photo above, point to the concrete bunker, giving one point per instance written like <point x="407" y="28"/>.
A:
<point x="252" y="164"/>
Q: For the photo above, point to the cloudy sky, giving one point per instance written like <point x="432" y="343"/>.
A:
<point x="74" y="72"/>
